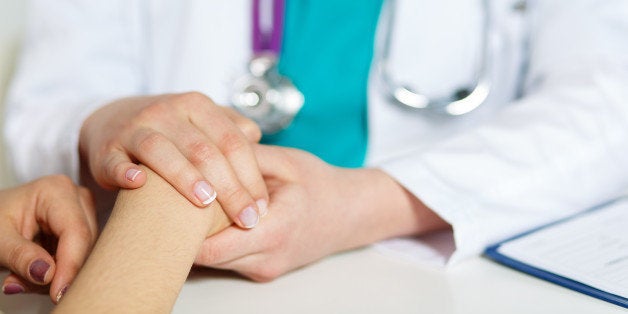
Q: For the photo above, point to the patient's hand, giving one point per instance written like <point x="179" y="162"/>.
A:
<point x="144" y="253"/>
<point x="47" y="229"/>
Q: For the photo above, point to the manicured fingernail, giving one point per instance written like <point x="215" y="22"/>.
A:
<point x="249" y="217"/>
<point x="263" y="207"/>
<point x="38" y="270"/>
<point x="62" y="293"/>
<point x="12" y="288"/>
<point x="132" y="174"/>
<point x="204" y="192"/>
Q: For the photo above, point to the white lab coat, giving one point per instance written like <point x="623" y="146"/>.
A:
<point x="514" y="163"/>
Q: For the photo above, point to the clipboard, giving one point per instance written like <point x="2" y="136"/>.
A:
<point x="493" y="252"/>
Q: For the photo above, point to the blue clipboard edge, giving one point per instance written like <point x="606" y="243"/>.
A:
<point x="493" y="253"/>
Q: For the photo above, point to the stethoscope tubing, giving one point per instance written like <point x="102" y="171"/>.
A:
<point x="453" y="105"/>
<point x="273" y="101"/>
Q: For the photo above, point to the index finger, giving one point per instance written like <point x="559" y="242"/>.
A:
<point x="239" y="154"/>
<point x="71" y="218"/>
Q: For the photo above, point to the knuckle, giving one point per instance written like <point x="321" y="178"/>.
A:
<point x="62" y="180"/>
<point x="148" y="142"/>
<point x="193" y="98"/>
<point x="100" y="165"/>
<point x="250" y="129"/>
<point x="83" y="232"/>
<point x="112" y="169"/>
<point x="200" y="152"/>
<point x="152" y="112"/>
<point x="55" y="182"/>
<point x="126" y="130"/>
<point x="112" y="144"/>
<point x="231" y="142"/>
<point x="17" y="255"/>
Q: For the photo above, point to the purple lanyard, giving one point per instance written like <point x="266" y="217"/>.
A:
<point x="268" y="18"/>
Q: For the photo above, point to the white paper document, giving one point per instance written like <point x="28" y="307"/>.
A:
<point x="591" y="248"/>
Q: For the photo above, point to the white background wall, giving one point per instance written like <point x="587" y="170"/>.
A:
<point x="11" y="26"/>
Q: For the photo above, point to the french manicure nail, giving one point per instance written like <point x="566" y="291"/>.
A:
<point x="249" y="217"/>
<point x="132" y="174"/>
<point x="62" y="293"/>
<point x="12" y="288"/>
<point x="38" y="270"/>
<point x="263" y="207"/>
<point x="204" y="192"/>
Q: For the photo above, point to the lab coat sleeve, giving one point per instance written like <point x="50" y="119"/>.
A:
<point x="76" y="56"/>
<point x="562" y="147"/>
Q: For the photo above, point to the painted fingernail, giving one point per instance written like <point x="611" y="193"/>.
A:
<point x="132" y="174"/>
<point x="249" y="217"/>
<point x="62" y="293"/>
<point x="38" y="270"/>
<point x="263" y="207"/>
<point x="204" y="192"/>
<point x="12" y="288"/>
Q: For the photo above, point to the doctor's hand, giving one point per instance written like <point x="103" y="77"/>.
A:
<point x="200" y="148"/>
<point x="315" y="210"/>
<point x="47" y="229"/>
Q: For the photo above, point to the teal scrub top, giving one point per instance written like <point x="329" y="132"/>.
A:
<point x="327" y="51"/>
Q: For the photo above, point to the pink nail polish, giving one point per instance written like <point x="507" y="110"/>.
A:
<point x="132" y="174"/>
<point x="38" y="270"/>
<point x="62" y="293"/>
<point x="204" y="192"/>
<point x="12" y="288"/>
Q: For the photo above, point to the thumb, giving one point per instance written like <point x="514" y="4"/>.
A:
<point x="26" y="259"/>
<point x="115" y="170"/>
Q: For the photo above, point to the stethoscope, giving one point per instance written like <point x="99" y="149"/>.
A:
<point x="271" y="100"/>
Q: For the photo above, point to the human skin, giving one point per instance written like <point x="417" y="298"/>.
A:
<point x="47" y="229"/>
<point x="144" y="253"/>
<point x="195" y="145"/>
<point x="311" y="200"/>
<point x="316" y="210"/>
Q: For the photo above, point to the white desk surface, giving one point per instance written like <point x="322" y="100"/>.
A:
<point x="366" y="281"/>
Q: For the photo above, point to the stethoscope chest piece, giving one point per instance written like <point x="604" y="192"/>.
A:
<point x="267" y="97"/>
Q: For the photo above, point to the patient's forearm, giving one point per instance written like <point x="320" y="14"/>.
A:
<point x="144" y="253"/>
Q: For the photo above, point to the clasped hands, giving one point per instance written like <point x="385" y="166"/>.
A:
<point x="289" y="207"/>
